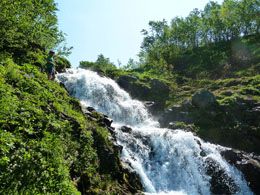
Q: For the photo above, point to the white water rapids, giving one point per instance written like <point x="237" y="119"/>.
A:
<point x="167" y="161"/>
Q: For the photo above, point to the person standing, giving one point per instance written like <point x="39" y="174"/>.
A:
<point x="51" y="65"/>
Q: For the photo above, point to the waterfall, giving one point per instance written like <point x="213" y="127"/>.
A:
<point x="167" y="161"/>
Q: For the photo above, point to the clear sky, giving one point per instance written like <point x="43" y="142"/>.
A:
<point x="113" y="27"/>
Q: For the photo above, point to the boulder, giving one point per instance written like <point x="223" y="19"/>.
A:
<point x="175" y="114"/>
<point x="136" y="90"/>
<point x="149" y="103"/>
<point x="155" y="108"/>
<point x="107" y="121"/>
<point x="203" y="99"/>
<point x="160" y="88"/>
<point x="152" y="90"/>
<point x="126" y="129"/>
<point x="183" y="126"/>
<point x="248" y="164"/>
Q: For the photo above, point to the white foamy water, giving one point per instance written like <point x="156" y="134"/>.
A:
<point x="167" y="161"/>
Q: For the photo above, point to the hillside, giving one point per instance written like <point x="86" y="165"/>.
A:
<point x="47" y="144"/>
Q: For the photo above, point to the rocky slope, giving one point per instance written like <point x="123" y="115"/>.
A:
<point x="225" y="111"/>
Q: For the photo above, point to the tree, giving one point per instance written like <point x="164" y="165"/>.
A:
<point x="28" y="25"/>
<point x="131" y="64"/>
<point x="101" y="64"/>
<point x="217" y="25"/>
<point x="249" y="12"/>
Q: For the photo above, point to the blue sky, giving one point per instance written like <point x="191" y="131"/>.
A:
<point x="113" y="27"/>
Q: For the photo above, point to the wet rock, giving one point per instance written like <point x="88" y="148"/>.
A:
<point x="107" y="121"/>
<point x="220" y="182"/>
<point x="90" y="109"/>
<point x="132" y="178"/>
<point x="86" y="112"/>
<point x="187" y="105"/>
<point x="118" y="147"/>
<point x="149" y="103"/>
<point x="248" y="164"/>
<point x="155" y="108"/>
<point x="126" y="129"/>
<point x="203" y="99"/>
<point x="111" y="129"/>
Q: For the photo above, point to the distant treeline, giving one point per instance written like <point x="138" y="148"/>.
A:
<point x="215" y="23"/>
<point x="164" y="43"/>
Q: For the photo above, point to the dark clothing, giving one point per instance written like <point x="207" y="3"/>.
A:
<point x="50" y="65"/>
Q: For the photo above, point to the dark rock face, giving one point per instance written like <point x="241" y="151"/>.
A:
<point x="90" y="109"/>
<point x="176" y="113"/>
<point x="248" y="164"/>
<point x="220" y="182"/>
<point x="132" y="177"/>
<point x="203" y="99"/>
<point x="136" y="90"/>
<point x="126" y="80"/>
<point x="236" y="125"/>
<point x="107" y="121"/>
<point x="159" y="88"/>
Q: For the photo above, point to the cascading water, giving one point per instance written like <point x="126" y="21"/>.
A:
<point x="167" y="161"/>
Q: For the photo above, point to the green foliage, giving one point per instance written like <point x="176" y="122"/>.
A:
<point x="102" y="64"/>
<point x="46" y="142"/>
<point x="204" y="40"/>
<point x="61" y="63"/>
<point x="28" y="25"/>
<point x="131" y="65"/>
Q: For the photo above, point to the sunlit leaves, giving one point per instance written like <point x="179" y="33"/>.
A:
<point x="27" y="24"/>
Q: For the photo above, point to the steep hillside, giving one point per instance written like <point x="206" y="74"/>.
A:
<point x="48" y="145"/>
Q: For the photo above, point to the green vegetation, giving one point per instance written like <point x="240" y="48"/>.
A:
<point x="27" y="25"/>
<point x="102" y="64"/>
<point x="47" y="145"/>
<point x="28" y="30"/>
<point x="206" y="42"/>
